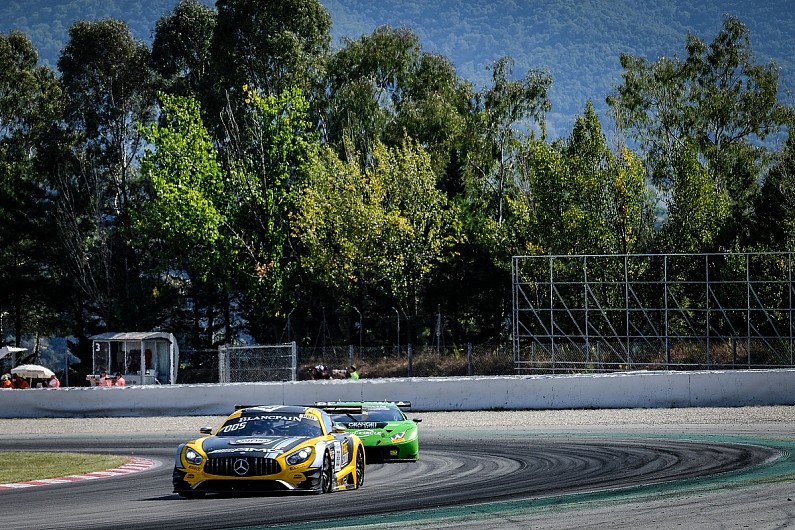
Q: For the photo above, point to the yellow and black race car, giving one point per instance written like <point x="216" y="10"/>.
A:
<point x="270" y="448"/>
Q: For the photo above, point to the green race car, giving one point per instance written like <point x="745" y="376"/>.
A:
<point x="385" y="431"/>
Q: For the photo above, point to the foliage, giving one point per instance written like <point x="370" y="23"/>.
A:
<point x="774" y="220"/>
<point x="187" y="210"/>
<point x="278" y="174"/>
<point x="269" y="45"/>
<point x="383" y="228"/>
<point x="505" y="113"/>
<point x="29" y="97"/>
<point x="717" y="102"/>
<point x="108" y="91"/>
<point x="383" y="87"/>
<point x="181" y="46"/>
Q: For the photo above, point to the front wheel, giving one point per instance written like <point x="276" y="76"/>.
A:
<point x="324" y="485"/>
<point x="359" y="468"/>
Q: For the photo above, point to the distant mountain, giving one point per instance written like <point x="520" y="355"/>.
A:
<point x="579" y="43"/>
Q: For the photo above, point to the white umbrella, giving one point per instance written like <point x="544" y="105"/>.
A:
<point x="32" y="371"/>
<point x="5" y="350"/>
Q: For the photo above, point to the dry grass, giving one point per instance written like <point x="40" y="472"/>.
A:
<point x="426" y="364"/>
<point x="17" y="466"/>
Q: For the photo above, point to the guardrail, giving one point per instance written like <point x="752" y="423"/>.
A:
<point x="732" y="388"/>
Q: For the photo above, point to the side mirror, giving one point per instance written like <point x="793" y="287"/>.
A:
<point x="338" y="428"/>
<point x="206" y="430"/>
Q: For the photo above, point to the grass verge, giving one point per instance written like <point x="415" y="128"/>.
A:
<point x="19" y="466"/>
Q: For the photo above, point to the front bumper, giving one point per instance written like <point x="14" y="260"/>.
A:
<point x="187" y="481"/>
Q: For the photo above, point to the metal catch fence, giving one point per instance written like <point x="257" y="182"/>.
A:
<point x="653" y="311"/>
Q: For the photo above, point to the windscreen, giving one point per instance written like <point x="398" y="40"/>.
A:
<point x="268" y="424"/>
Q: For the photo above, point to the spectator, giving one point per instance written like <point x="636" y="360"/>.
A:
<point x="320" y="372"/>
<point x="22" y="382"/>
<point x="54" y="382"/>
<point x="6" y="382"/>
<point x="118" y="380"/>
<point x="104" y="380"/>
<point x="349" y="373"/>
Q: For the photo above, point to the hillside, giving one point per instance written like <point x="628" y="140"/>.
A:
<point x="579" y="43"/>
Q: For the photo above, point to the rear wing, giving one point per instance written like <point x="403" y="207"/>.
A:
<point x="346" y="407"/>
<point x="335" y="407"/>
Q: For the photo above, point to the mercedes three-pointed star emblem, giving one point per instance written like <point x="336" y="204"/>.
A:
<point x="240" y="466"/>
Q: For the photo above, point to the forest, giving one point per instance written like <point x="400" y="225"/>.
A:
<point x="241" y="179"/>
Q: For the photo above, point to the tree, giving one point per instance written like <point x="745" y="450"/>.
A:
<point x="29" y="97"/>
<point x="505" y="114"/>
<point x="718" y="102"/>
<point x="609" y="205"/>
<point x="181" y="47"/>
<point x="266" y="169"/>
<point x="383" y="87"/>
<point x="268" y="45"/>
<point x="381" y="230"/>
<point x="774" y="221"/>
<point x="109" y="90"/>
<point x="184" y="223"/>
<point x="697" y="208"/>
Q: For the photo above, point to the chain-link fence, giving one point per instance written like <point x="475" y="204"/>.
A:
<point x="411" y="361"/>
<point x="238" y="364"/>
<point x="267" y="364"/>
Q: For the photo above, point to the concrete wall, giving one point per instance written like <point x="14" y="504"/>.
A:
<point x="619" y="390"/>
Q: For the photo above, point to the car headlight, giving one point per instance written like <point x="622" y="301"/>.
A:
<point x="398" y="437"/>
<point x="300" y="456"/>
<point x="192" y="457"/>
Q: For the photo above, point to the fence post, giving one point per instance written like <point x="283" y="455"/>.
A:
<point x="294" y="361"/>
<point x="410" y="349"/>
<point x="470" y="369"/>
<point x="223" y="364"/>
<point x="350" y="355"/>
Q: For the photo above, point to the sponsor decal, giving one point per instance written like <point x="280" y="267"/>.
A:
<point x="362" y="425"/>
<point x="240" y="450"/>
<point x="282" y="417"/>
<point x="252" y="441"/>
<point x="337" y="455"/>
<point x="365" y="433"/>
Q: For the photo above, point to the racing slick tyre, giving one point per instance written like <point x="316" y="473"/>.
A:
<point x="359" y="469"/>
<point x="324" y="483"/>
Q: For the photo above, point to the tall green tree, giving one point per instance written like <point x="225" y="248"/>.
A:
<point x="506" y="113"/>
<point x="697" y="207"/>
<point x="108" y="90"/>
<point x="382" y="87"/>
<point x="381" y="230"/>
<point x="609" y="208"/>
<point x="774" y="221"/>
<point x="29" y="104"/>
<point x="265" y="172"/>
<point x="717" y="101"/>
<point x="268" y="45"/>
<point x="181" y="47"/>
<point x="184" y="224"/>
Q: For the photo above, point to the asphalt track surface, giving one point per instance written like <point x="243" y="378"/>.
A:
<point x="562" y="477"/>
